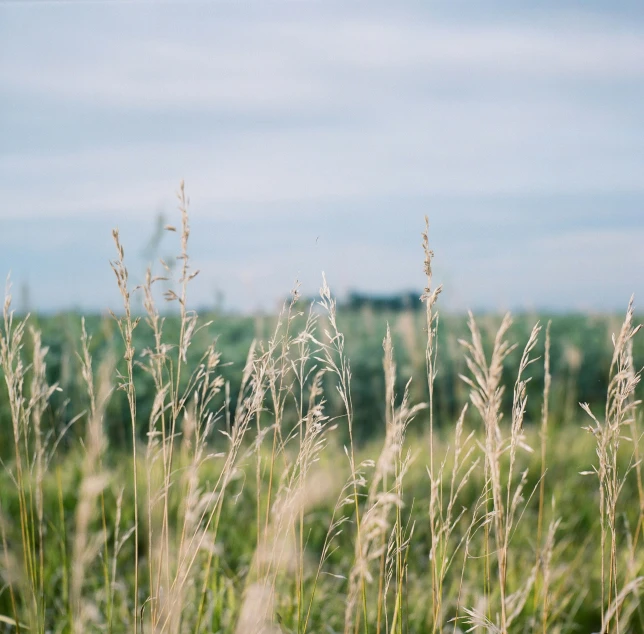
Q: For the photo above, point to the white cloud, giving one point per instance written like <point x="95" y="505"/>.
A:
<point x="331" y="104"/>
<point x="242" y="62"/>
<point x="449" y="149"/>
<point x="420" y="106"/>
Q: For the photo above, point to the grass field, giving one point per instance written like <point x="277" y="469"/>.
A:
<point x="284" y="475"/>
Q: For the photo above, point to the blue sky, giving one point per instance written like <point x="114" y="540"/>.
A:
<point x="315" y="136"/>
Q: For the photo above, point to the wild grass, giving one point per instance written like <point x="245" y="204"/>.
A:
<point x="264" y="512"/>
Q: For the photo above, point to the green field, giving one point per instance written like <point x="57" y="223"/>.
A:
<point x="220" y="473"/>
<point x="581" y="352"/>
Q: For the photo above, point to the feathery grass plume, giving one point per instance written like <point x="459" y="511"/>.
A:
<point x="157" y="446"/>
<point x="332" y="354"/>
<point x="86" y="546"/>
<point x="486" y="396"/>
<point x="175" y="403"/>
<point x="636" y="437"/>
<point x="27" y="405"/>
<point x="545" y="550"/>
<point x="618" y="416"/>
<point x="442" y="519"/>
<point x="14" y="371"/>
<point x="634" y="560"/>
<point x="445" y="518"/>
<point x="382" y="499"/>
<point x="179" y="398"/>
<point x="250" y="403"/>
<point x="429" y="297"/>
<point x="311" y="421"/>
<point x="127" y="324"/>
<point x="393" y="462"/>
<point x="281" y="551"/>
<point x="40" y="393"/>
<point x="543" y="433"/>
<point x="516" y="441"/>
<point x="180" y="411"/>
<point x="278" y="377"/>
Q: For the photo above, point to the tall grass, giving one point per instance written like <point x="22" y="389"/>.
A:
<point x="266" y="515"/>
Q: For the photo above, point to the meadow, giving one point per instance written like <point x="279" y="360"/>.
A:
<point x="322" y="470"/>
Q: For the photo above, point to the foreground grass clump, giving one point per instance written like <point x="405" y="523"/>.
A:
<point x="254" y="508"/>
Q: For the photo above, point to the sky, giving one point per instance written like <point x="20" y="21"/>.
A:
<point x="315" y="136"/>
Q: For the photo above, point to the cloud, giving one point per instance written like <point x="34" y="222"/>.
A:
<point x="458" y="150"/>
<point x="327" y="118"/>
<point x="243" y="61"/>
<point x="319" y="104"/>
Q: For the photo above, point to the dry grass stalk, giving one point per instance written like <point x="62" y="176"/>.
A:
<point x="27" y="406"/>
<point x="486" y="396"/>
<point x="444" y="518"/>
<point x="382" y="499"/>
<point x="127" y="325"/>
<point x="618" y="416"/>
<point x="86" y="545"/>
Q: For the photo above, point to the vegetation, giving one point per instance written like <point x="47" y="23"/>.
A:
<point x="155" y="482"/>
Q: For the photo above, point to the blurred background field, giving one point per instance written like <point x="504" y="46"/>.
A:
<point x="580" y="360"/>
